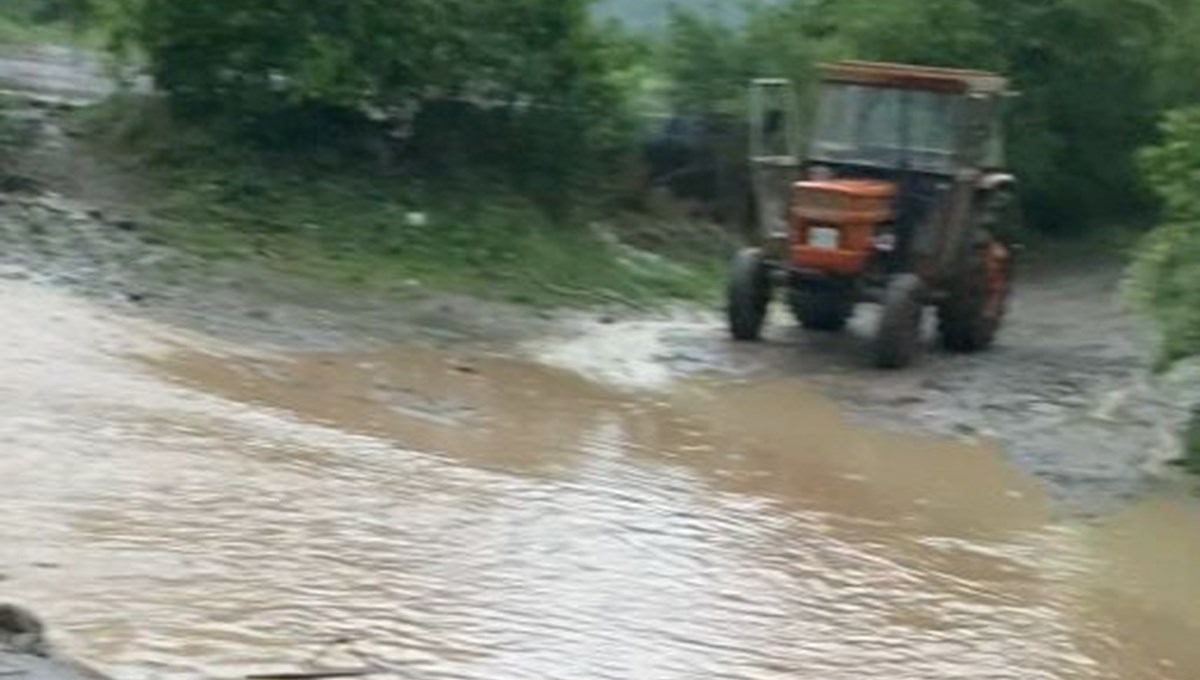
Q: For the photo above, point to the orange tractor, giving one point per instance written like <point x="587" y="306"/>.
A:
<point x="902" y="199"/>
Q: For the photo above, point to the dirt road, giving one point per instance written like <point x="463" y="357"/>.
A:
<point x="215" y="471"/>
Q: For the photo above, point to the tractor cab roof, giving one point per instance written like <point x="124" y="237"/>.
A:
<point x="905" y="76"/>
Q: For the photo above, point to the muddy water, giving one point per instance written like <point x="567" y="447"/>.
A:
<point x="180" y="509"/>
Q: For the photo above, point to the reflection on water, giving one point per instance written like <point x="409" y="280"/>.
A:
<point x="180" y="511"/>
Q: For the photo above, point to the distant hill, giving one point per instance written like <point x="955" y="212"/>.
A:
<point x="650" y="15"/>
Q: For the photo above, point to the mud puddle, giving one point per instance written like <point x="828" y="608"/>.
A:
<point x="1068" y="392"/>
<point x="183" y="509"/>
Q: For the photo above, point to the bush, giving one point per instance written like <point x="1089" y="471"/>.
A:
<point x="308" y="73"/>
<point x="1167" y="271"/>
<point x="49" y="21"/>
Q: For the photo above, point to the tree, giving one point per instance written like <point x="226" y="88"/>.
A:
<point x="529" y="78"/>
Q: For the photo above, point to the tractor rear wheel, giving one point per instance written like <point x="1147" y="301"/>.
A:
<point x="898" y="338"/>
<point x="971" y="316"/>
<point x="821" y="307"/>
<point x="749" y="295"/>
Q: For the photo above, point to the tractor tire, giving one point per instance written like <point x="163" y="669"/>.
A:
<point x="898" y="338"/>
<point x="749" y="295"/>
<point x="972" y="314"/>
<point x="999" y="215"/>
<point x="821" y="308"/>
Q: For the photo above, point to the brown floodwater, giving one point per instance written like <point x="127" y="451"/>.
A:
<point x="179" y="508"/>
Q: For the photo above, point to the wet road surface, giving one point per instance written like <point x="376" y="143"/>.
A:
<point x="178" y="507"/>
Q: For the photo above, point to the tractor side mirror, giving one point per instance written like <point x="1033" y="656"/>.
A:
<point x="774" y="119"/>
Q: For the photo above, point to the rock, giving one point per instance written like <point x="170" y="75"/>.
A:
<point x="15" y="184"/>
<point x="1045" y="408"/>
<point x="965" y="429"/>
<point x="55" y="204"/>
<point x="465" y="369"/>
<point x="126" y="224"/>
<point x="21" y="631"/>
<point x="11" y="273"/>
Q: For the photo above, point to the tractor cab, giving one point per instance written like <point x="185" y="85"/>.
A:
<point x="887" y="121"/>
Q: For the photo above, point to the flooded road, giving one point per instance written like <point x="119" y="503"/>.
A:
<point x="180" y="508"/>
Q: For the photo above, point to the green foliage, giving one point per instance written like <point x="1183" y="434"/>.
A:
<point x="536" y="75"/>
<point x="52" y="21"/>
<point x="48" y="11"/>
<point x="1167" y="272"/>
<point x="1178" y="61"/>
<point x="1074" y="139"/>
<point x="932" y="32"/>
<point x="709" y="64"/>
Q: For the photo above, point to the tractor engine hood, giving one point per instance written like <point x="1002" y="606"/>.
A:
<point x="844" y="201"/>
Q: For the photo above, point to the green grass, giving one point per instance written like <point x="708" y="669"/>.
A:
<point x="324" y="229"/>
<point x="15" y="32"/>
<point x="361" y="228"/>
<point x="17" y="29"/>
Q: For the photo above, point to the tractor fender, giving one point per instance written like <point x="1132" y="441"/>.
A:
<point x="1005" y="225"/>
<point x="994" y="181"/>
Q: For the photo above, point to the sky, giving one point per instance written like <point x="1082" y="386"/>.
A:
<point x="652" y="14"/>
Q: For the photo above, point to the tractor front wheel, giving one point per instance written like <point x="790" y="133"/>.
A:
<point x="898" y="338"/>
<point x="971" y="316"/>
<point x="749" y="295"/>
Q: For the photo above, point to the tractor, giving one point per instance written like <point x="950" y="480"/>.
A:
<point x="901" y="198"/>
